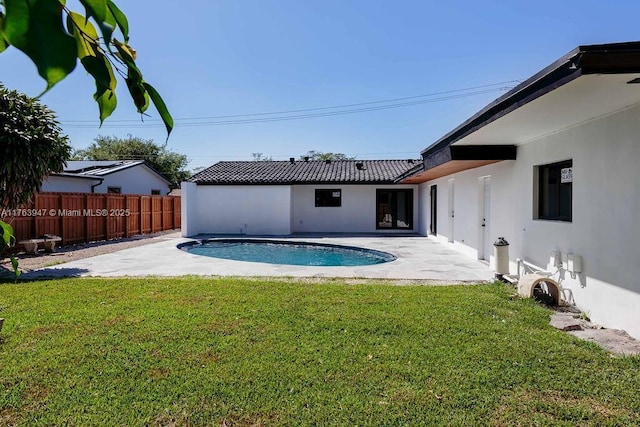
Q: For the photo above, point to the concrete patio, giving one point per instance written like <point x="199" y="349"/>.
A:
<point x="418" y="258"/>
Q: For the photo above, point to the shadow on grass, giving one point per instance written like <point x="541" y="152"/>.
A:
<point x="42" y="274"/>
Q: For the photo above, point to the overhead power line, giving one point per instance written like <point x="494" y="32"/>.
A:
<point x="303" y="113"/>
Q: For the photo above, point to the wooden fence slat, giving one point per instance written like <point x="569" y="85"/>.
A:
<point x="89" y="217"/>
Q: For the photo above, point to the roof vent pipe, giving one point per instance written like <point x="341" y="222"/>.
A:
<point x="328" y="161"/>
<point x="306" y="159"/>
<point x="292" y="159"/>
<point x="359" y="166"/>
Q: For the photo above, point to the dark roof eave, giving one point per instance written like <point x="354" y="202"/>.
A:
<point x="72" y="175"/>
<point x="611" y="58"/>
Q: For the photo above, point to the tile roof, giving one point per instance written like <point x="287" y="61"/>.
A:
<point x="301" y="172"/>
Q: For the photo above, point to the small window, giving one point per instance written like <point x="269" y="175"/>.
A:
<point x="328" y="198"/>
<point x="155" y="192"/>
<point x="555" y="183"/>
<point x="114" y="190"/>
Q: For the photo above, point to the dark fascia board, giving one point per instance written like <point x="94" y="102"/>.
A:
<point x="483" y="152"/>
<point x="469" y="152"/>
<point x="76" y="176"/>
<point x="613" y="58"/>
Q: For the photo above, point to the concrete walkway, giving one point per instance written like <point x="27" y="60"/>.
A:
<point x="419" y="258"/>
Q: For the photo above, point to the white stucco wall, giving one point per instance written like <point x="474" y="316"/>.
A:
<point x="357" y="214"/>
<point x="282" y="210"/>
<point x="226" y="209"/>
<point x="134" y="180"/>
<point x="604" y="228"/>
<point x="188" y="204"/>
<point x="64" y="184"/>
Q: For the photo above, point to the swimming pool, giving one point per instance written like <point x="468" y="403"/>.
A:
<point x="286" y="252"/>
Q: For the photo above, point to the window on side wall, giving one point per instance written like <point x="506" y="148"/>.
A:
<point x="114" y="190"/>
<point x="328" y="198"/>
<point x="555" y="182"/>
<point x="155" y="192"/>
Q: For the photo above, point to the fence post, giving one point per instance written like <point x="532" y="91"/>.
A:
<point x="61" y="204"/>
<point x="35" y="218"/>
<point x="125" y="218"/>
<point x="85" y="218"/>
<point x="106" y="217"/>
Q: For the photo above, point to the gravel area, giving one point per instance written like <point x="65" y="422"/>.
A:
<point x="29" y="262"/>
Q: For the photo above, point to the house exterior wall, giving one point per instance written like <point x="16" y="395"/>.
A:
<point x="357" y="213"/>
<point x="605" y="205"/>
<point x="62" y="184"/>
<point x="281" y="209"/>
<point x="134" y="180"/>
<point x="234" y="209"/>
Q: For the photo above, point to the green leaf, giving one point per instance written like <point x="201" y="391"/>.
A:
<point x="107" y="103"/>
<point x="35" y="28"/>
<point x="100" y="12"/>
<point x="85" y="33"/>
<point x="126" y="55"/>
<point x="97" y="9"/>
<point x="138" y="94"/>
<point x="158" y="102"/>
<point x="107" y="27"/>
<point x="16" y="19"/>
<point x="100" y="69"/>
<point x="120" y="18"/>
<point x="14" y="264"/>
<point x="7" y="235"/>
<point x="3" y="42"/>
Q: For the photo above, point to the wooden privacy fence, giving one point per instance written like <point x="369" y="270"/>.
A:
<point x="88" y="217"/>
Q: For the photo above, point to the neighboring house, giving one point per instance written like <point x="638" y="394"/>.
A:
<point x="552" y="166"/>
<point x="107" y="176"/>
<point x="284" y="197"/>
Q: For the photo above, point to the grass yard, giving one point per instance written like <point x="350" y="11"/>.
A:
<point x="199" y="351"/>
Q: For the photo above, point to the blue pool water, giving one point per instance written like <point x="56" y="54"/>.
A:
<point x="291" y="253"/>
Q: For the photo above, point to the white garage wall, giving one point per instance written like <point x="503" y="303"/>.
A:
<point x="356" y="215"/>
<point x="236" y="209"/>
<point x="64" y="184"/>
<point x="606" y="204"/>
<point x="134" y="180"/>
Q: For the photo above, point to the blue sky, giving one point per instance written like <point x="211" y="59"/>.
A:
<point x="219" y="58"/>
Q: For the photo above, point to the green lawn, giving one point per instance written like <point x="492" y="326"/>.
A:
<point x="198" y="351"/>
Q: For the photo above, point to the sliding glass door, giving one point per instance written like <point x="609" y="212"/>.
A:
<point x="394" y="209"/>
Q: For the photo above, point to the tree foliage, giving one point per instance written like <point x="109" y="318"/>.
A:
<point x="31" y="147"/>
<point x="319" y="155"/>
<point x="259" y="157"/>
<point x="170" y="164"/>
<point x="55" y="38"/>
